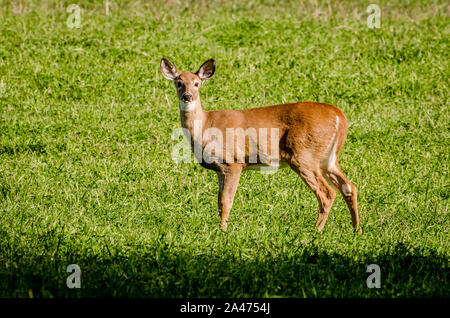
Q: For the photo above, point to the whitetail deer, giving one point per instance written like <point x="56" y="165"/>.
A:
<point x="308" y="137"/>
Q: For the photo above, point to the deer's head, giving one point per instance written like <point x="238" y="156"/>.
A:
<point x="188" y="84"/>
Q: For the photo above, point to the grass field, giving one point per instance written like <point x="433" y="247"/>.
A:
<point x="86" y="175"/>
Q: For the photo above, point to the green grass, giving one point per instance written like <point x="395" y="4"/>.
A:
<point x="86" y="174"/>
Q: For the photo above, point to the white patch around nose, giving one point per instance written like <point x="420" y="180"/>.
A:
<point x="187" y="107"/>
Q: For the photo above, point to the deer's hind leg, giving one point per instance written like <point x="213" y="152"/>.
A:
<point x="348" y="191"/>
<point x="325" y="194"/>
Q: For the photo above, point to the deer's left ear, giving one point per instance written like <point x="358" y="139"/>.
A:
<point x="168" y="69"/>
<point x="206" y="71"/>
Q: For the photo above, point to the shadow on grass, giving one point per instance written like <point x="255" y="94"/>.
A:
<point x="162" y="273"/>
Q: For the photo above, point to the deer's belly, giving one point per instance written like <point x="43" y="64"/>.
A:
<point x="267" y="168"/>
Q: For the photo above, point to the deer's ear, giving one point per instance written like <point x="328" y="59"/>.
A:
<point x="168" y="69"/>
<point x="206" y="71"/>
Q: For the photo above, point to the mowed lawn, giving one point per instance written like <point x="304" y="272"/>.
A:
<point x="86" y="169"/>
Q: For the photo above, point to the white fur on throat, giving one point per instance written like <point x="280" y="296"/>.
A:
<point x="187" y="107"/>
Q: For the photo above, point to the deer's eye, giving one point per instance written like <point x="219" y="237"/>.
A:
<point x="179" y="84"/>
<point x="196" y="84"/>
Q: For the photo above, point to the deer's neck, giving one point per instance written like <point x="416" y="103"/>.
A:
<point x="193" y="118"/>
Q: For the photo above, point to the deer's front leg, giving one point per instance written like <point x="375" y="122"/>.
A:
<point x="228" y="183"/>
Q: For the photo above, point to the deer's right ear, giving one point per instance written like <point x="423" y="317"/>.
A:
<point x="168" y="69"/>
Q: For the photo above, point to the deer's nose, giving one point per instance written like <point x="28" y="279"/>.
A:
<point x="187" y="98"/>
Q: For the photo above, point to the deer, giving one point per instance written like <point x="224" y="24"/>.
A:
<point x="305" y="136"/>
